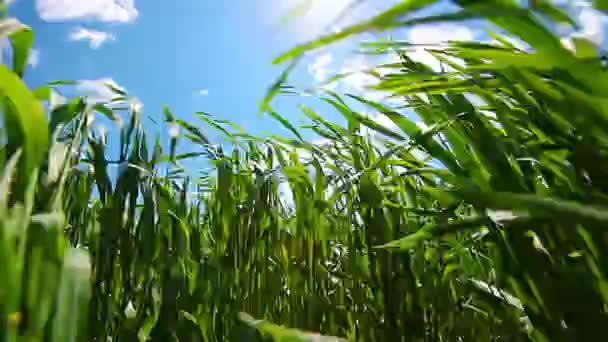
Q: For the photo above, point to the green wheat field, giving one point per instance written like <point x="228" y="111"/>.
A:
<point x="487" y="223"/>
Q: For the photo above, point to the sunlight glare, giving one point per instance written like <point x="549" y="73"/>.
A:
<point x="311" y="17"/>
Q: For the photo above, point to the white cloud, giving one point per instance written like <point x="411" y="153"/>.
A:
<point x="319" y="68"/>
<point x="592" y="25"/>
<point x="202" y="92"/>
<point x="173" y="130"/>
<point x="34" y="58"/>
<point x="355" y="79"/>
<point x="437" y="36"/>
<point x="314" y="17"/>
<point x="98" y="90"/>
<point x="102" y="10"/>
<point x="311" y="18"/>
<point x="95" y="38"/>
<point x="359" y="81"/>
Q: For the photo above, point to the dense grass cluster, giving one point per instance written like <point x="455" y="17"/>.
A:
<point x="485" y="225"/>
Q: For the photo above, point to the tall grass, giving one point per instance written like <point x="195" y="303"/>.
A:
<point x="486" y="225"/>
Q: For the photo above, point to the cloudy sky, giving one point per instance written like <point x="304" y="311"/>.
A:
<point x="210" y="55"/>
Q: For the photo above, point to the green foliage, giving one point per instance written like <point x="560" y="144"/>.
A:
<point x="485" y="225"/>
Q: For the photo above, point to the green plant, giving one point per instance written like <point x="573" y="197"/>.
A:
<point x="487" y="224"/>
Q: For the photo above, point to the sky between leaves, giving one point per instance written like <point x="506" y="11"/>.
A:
<point x="215" y="56"/>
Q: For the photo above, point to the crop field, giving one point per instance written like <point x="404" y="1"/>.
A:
<point x="476" y="210"/>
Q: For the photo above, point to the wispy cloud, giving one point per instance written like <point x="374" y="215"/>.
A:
<point x="592" y="24"/>
<point x="103" y="90"/>
<point x="34" y="58"/>
<point x="202" y="92"/>
<point x="95" y="38"/>
<point x="319" y="68"/>
<point x="98" y="90"/>
<point x="102" y="10"/>
<point x="359" y="80"/>
<point x="436" y="35"/>
<point x="310" y="18"/>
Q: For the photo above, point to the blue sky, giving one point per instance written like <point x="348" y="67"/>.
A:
<point x="206" y="55"/>
<point x="197" y="55"/>
<point x="191" y="55"/>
